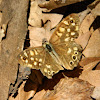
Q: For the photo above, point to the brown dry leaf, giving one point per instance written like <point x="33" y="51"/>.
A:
<point x="93" y="47"/>
<point x="92" y="76"/>
<point x="28" y="88"/>
<point x="96" y="11"/>
<point x="96" y="93"/>
<point x="52" y="4"/>
<point x="51" y="17"/>
<point x="1" y="30"/>
<point x="36" y="16"/>
<point x="25" y="95"/>
<point x="1" y="34"/>
<point x="88" y="60"/>
<point x="67" y="89"/>
<point x="95" y="8"/>
<point x="84" y="33"/>
<point x="15" y="15"/>
<point x="37" y="34"/>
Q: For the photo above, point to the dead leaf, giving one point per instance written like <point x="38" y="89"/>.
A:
<point x="95" y="8"/>
<point x="22" y="95"/>
<point x="96" y="93"/>
<point x="51" y="17"/>
<point x="67" y="89"/>
<point x="88" y="60"/>
<point x="38" y="34"/>
<point x="92" y="76"/>
<point x="16" y="14"/>
<point x="96" y="11"/>
<point x="52" y="4"/>
<point x="93" y="47"/>
<point x="1" y="34"/>
<point x="36" y="16"/>
<point x="84" y="33"/>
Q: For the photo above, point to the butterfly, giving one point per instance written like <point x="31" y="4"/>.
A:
<point x="59" y="53"/>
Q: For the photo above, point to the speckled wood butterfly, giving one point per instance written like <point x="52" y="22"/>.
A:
<point x="60" y="52"/>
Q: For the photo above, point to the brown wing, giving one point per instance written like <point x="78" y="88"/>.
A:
<point x="32" y="57"/>
<point x="38" y="58"/>
<point x="63" y="42"/>
<point x="50" y="66"/>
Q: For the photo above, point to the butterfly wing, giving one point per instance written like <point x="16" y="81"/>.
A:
<point x="38" y="58"/>
<point x="50" y="66"/>
<point x="63" y="41"/>
<point x="32" y="57"/>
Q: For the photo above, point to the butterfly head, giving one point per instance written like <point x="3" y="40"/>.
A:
<point x="47" y="45"/>
<point x="44" y="42"/>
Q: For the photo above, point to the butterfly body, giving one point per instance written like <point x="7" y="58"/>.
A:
<point x="60" y="50"/>
<point x="49" y="48"/>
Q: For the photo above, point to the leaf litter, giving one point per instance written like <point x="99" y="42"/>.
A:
<point x="80" y="88"/>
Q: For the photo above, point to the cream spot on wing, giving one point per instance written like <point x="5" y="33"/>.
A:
<point x="59" y="34"/>
<point x="36" y="59"/>
<point x="40" y="60"/>
<point x="25" y="54"/>
<point x="72" y="33"/>
<point x="77" y="28"/>
<point x="36" y="53"/>
<point x="26" y="61"/>
<point x="29" y="65"/>
<point x="66" y="22"/>
<point x="68" y="29"/>
<point x="40" y="64"/>
<point x="52" y="72"/>
<point x="73" y="24"/>
<point x="67" y="34"/>
<point x="35" y="63"/>
<point x="21" y="57"/>
<point x="49" y="72"/>
<point x="67" y="39"/>
<point x="48" y="66"/>
<point x="31" y="53"/>
<point x="75" y="48"/>
<point x="69" y="50"/>
<point x="61" y="29"/>
<point x="71" y="18"/>
<point x="45" y="70"/>
<point x="32" y="58"/>
<point x="72" y="39"/>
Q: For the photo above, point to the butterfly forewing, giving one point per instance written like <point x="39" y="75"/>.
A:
<point x="32" y="57"/>
<point x="38" y="58"/>
<point x="67" y="30"/>
<point x="63" y="42"/>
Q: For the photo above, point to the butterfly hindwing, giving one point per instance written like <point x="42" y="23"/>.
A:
<point x="63" y="41"/>
<point x="69" y="54"/>
<point x="50" y="66"/>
